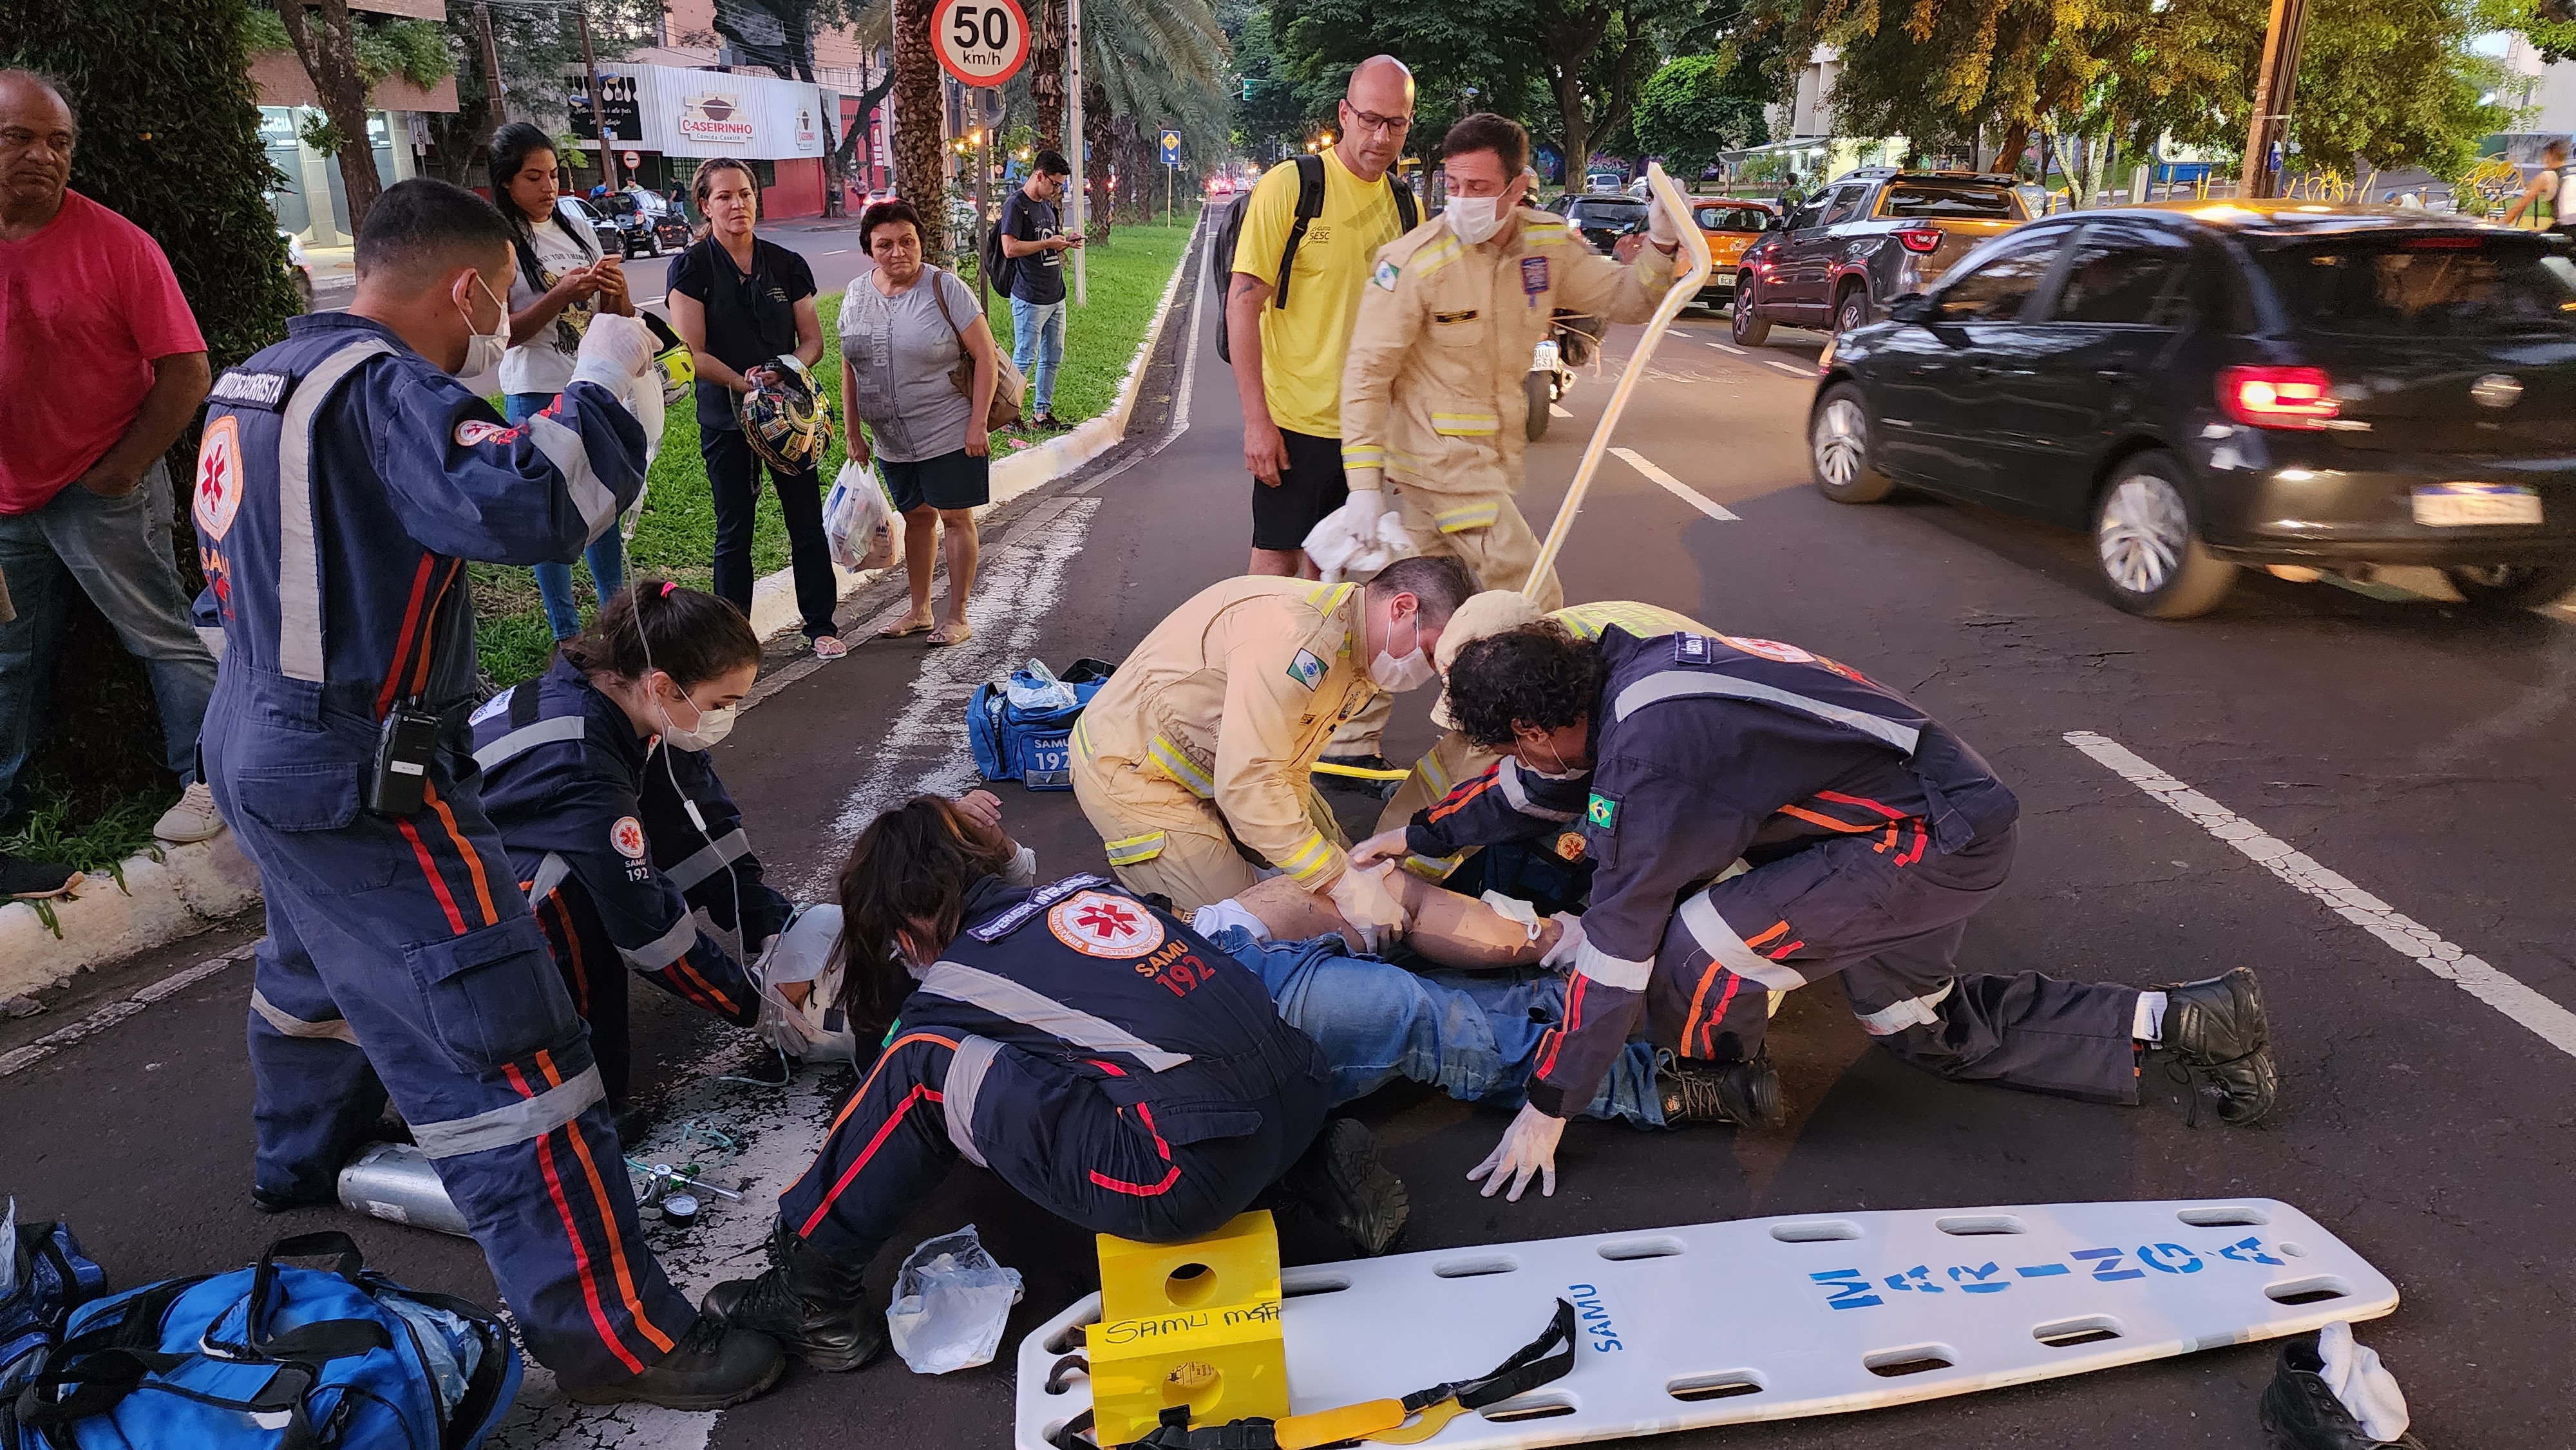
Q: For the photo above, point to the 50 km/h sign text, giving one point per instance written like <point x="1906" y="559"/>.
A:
<point x="980" y="42"/>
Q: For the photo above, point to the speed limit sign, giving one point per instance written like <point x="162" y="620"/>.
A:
<point x="980" y="42"/>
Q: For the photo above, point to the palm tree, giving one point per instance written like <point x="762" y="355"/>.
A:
<point x="920" y="166"/>
<point x="1046" y="74"/>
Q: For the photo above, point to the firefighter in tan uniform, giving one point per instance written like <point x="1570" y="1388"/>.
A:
<point x="1454" y="760"/>
<point x="1432" y="402"/>
<point x="1192" y="762"/>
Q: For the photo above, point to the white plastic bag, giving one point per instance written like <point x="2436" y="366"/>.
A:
<point x="857" y="519"/>
<point x="815" y="1031"/>
<point x="950" y="1303"/>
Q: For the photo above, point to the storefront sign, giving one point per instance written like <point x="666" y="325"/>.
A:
<point x="625" y="117"/>
<point x="715" y="116"/>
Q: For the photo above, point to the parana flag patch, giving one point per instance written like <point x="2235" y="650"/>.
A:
<point x="1306" y="670"/>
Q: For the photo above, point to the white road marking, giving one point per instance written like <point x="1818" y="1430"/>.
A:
<point x="837" y="251"/>
<point x="1559" y="410"/>
<point x="1791" y="368"/>
<point x="2552" y="1023"/>
<point x="651" y="301"/>
<point x="1675" y="486"/>
<point x="117" y="1011"/>
<point x="1730" y="348"/>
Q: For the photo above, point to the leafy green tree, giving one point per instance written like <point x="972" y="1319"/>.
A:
<point x="1698" y="106"/>
<point x="345" y="55"/>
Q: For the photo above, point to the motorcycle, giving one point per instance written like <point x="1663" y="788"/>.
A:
<point x="1571" y="338"/>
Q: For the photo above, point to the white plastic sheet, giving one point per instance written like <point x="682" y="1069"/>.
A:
<point x="951" y="1301"/>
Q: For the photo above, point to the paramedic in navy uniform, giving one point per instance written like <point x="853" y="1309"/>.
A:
<point x="1093" y="1052"/>
<point x="1873" y="833"/>
<point x="345" y="478"/>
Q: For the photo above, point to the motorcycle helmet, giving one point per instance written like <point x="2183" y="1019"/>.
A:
<point x="672" y="359"/>
<point x="784" y="416"/>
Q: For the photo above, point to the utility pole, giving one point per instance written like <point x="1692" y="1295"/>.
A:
<point x="2269" y="131"/>
<point x="1074" y="144"/>
<point x="492" y="81"/>
<point x="598" y="102"/>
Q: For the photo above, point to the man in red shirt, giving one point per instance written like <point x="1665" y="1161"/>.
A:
<point x="102" y="366"/>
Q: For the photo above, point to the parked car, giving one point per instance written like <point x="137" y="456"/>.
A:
<point x="2207" y="386"/>
<point x="1602" y="219"/>
<point x="1730" y="226"/>
<point x="1875" y="233"/>
<point x="581" y="214"/>
<point x="646" y="225"/>
<point x="1604" y="181"/>
<point x="299" y="270"/>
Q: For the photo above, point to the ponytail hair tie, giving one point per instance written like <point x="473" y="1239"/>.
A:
<point x="667" y="587"/>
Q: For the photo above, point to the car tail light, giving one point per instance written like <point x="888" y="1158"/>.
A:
<point x="2277" y="397"/>
<point x="1920" y="239"/>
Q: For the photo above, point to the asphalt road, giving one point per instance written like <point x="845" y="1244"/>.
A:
<point x="2417" y="755"/>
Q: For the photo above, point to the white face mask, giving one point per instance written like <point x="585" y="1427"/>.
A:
<point x="1474" y="218"/>
<point x="483" y="350"/>
<point x="1560" y="773"/>
<point x="1399" y="673"/>
<point x="712" y="727"/>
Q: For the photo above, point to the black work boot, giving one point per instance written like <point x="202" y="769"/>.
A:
<point x="712" y="1367"/>
<point x="2299" y="1411"/>
<point x="1339" y="1201"/>
<point x="808" y="1301"/>
<point x="1746" y="1093"/>
<point x="2216" y="1027"/>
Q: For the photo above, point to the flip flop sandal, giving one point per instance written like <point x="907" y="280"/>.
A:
<point x="905" y="627"/>
<point x="829" y="647"/>
<point x="960" y="637"/>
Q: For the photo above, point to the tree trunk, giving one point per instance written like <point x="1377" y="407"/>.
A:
<point x="920" y="161"/>
<point x="2016" y="141"/>
<point x="1099" y="144"/>
<point x="1046" y="74"/>
<point x="329" y="54"/>
<point x="1568" y="83"/>
<point x="836" y="162"/>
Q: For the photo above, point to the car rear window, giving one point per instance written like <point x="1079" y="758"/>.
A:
<point x="1609" y="213"/>
<point x="1933" y="201"/>
<point x="2423" y="286"/>
<point x="1732" y="218"/>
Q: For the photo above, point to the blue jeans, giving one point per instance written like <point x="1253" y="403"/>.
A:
<point x="1037" y="328"/>
<point x="606" y="554"/>
<point x="118" y="549"/>
<point x="1473" y="1035"/>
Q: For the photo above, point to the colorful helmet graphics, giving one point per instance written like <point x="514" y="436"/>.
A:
<point x="784" y="416"/>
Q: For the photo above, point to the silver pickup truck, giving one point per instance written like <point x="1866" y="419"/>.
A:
<point x="1874" y="234"/>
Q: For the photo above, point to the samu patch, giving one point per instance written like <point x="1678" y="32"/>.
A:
<point x="1306" y="670"/>
<point x="627" y="838"/>
<point x="1602" y="811"/>
<point x="1383" y="278"/>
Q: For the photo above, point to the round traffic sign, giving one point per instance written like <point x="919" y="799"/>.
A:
<point x="980" y="42"/>
<point x="632" y="160"/>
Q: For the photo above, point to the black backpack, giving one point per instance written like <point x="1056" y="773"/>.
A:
<point x="1310" y="205"/>
<point x="1000" y="268"/>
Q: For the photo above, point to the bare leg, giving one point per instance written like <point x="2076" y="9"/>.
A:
<point x="963" y="551"/>
<point x="920" y="548"/>
<point x="1448" y="929"/>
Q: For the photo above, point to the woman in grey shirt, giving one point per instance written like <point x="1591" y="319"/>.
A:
<point x="904" y="327"/>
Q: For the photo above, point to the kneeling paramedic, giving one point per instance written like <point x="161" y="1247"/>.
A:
<point x="575" y="764"/>
<point x="344" y="479"/>
<point x="1872" y="833"/>
<point x="1192" y="762"/>
<point x="1092" y="1051"/>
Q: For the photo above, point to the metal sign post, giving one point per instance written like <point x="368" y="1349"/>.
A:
<point x="1171" y="169"/>
<point x="1074" y="144"/>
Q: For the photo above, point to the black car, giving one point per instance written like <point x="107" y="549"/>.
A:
<point x="582" y="214"/>
<point x="1602" y="219"/>
<point x="2208" y="385"/>
<point x="646" y="225"/>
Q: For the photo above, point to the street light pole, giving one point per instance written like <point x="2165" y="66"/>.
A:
<point x="2269" y="131"/>
<point x="598" y="102"/>
<point x="1073" y="136"/>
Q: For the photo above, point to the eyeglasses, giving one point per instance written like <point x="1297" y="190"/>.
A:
<point x="1384" y="125"/>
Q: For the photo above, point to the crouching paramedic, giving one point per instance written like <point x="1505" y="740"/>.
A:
<point x="1093" y="1052"/>
<point x="570" y="758"/>
<point x="344" y="479"/>
<point x="1873" y="834"/>
<point x="1192" y="762"/>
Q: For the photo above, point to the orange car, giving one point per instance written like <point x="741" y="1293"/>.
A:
<point x="1730" y="224"/>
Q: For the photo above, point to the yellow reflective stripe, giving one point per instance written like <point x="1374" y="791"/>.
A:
<point x="1434" y="257"/>
<point x="1309" y="859"/>
<point x="1586" y="621"/>
<point x="1369" y="456"/>
<point x="1471" y="516"/>
<point x="1465" y="425"/>
<point x="1082" y="736"/>
<point x="1329" y="597"/>
<point x="1539" y="235"/>
<point x="1181" y="768"/>
<point x="1433" y="868"/>
<point x="1135" y="848"/>
<point x="1433" y="776"/>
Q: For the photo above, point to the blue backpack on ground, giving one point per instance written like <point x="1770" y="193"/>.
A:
<point x="278" y="1358"/>
<point x="52" y="1278"/>
<point x="1023" y="729"/>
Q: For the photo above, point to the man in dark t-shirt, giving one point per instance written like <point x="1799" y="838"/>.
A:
<point x="1036" y="246"/>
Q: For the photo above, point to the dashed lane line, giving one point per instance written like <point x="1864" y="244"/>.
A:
<point x="1559" y="410"/>
<point x="117" y="1011"/>
<point x="1791" y="368"/>
<point x="2412" y="940"/>
<point x="1675" y="486"/>
<point x="1728" y="347"/>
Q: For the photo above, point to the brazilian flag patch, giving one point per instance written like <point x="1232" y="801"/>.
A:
<point x="1602" y="811"/>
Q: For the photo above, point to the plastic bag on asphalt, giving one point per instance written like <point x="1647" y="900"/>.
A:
<point x="950" y="1303"/>
<point x="858" y="521"/>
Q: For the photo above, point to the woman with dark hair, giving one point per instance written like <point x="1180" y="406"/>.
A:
<point x="741" y="303"/>
<point x="578" y="760"/>
<point x="1099" y="1056"/>
<point x="562" y="281"/>
<point x="905" y="327"/>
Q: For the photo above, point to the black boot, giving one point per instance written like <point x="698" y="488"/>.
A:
<point x="808" y="1301"/>
<point x="711" y="1368"/>
<point x="2216" y="1027"/>
<point x="2299" y="1412"/>
<point x="1747" y="1093"/>
<point x="1339" y="1201"/>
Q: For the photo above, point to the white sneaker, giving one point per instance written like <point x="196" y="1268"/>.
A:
<point x="192" y="820"/>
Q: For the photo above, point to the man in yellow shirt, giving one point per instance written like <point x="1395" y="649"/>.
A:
<point x="1288" y="356"/>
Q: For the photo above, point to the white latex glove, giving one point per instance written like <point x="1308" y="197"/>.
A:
<point x="1384" y="846"/>
<point x="1660" y="227"/>
<point x="1562" y="954"/>
<point x="615" y="351"/>
<point x="1528" y="1148"/>
<point x="1371" y="909"/>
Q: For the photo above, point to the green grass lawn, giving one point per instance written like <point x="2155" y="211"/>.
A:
<point x="676" y="537"/>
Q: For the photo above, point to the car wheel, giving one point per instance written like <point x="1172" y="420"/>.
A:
<point x="1750" y="329"/>
<point x="1838" y="449"/>
<point x="1852" y="310"/>
<point x="2513" y="586"/>
<point x="1538" y="391"/>
<point x="2149" y="547"/>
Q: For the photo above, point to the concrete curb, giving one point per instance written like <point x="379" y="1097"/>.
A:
<point x="186" y="889"/>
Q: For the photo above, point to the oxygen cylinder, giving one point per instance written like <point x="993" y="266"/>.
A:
<point x="397" y="1181"/>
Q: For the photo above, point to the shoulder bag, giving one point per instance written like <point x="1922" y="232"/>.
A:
<point x="1007" y="382"/>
